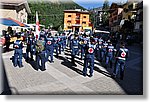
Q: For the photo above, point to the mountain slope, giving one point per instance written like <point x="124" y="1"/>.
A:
<point x="50" y="11"/>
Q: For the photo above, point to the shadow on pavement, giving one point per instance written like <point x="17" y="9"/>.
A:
<point x="5" y="85"/>
<point x="102" y="72"/>
<point x="32" y="63"/>
<point x="132" y="83"/>
<point x="5" y="51"/>
<point x="69" y="65"/>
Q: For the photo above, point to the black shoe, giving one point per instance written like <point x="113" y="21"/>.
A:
<point x="84" y="75"/>
<point x="121" y="77"/>
<point x="15" y="65"/>
<point x="31" y="59"/>
<point x="113" y="76"/>
<point x="27" y="60"/>
<point x="56" y="56"/>
<point x="20" y="66"/>
<point x="74" y="65"/>
<point x="100" y="60"/>
<point x="105" y="66"/>
<point x="51" y="61"/>
<point x="43" y="69"/>
<point x="91" y="75"/>
<point x="81" y="58"/>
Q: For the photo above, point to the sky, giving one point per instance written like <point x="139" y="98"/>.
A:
<point x="89" y="4"/>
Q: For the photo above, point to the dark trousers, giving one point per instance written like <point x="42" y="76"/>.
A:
<point x="7" y="46"/>
<point x="41" y="57"/>
<point x="74" y="52"/>
<point x="18" y="57"/>
<point x="120" y="65"/>
<point x="59" y="47"/>
<point x="56" y="49"/>
<point x="103" y="55"/>
<point x="98" y="54"/>
<point x="82" y="52"/>
<point x="88" y="60"/>
<point x="50" y="53"/>
<point x="109" y="60"/>
<point x="27" y="54"/>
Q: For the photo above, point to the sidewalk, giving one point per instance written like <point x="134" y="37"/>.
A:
<point x="62" y="78"/>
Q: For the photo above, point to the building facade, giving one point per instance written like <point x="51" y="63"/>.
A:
<point x="115" y="17"/>
<point x="138" y="25"/>
<point x="132" y="13"/>
<point x="76" y="20"/>
<point x="129" y="10"/>
<point x="97" y="17"/>
<point x="15" y="9"/>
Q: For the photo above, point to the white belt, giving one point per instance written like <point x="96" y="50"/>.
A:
<point x="121" y="58"/>
<point x="75" y="46"/>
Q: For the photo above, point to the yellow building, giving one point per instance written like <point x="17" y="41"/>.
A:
<point x="76" y="20"/>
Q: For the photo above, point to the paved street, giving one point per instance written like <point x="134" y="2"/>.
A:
<point x="61" y="77"/>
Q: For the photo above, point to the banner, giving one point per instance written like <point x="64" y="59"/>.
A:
<point x="37" y="26"/>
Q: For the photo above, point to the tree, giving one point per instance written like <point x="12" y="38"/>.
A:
<point x="50" y="13"/>
<point x="106" y="5"/>
<point x="105" y="15"/>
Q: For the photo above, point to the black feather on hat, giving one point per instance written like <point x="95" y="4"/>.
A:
<point x="92" y="39"/>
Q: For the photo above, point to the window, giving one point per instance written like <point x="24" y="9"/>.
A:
<point x="129" y="17"/>
<point x="24" y="21"/>
<point x="68" y="21"/>
<point x="115" y="18"/>
<point x="77" y="16"/>
<point x="69" y="15"/>
<point x="83" y="22"/>
<point x="77" y="21"/>
<point x="69" y="27"/>
<point x="84" y="16"/>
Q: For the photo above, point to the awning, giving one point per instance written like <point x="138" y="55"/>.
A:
<point x="11" y="22"/>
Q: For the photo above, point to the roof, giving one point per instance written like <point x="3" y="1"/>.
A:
<point x="115" y="5"/>
<point x="16" y="3"/>
<point x="77" y="11"/>
<point x="12" y="2"/>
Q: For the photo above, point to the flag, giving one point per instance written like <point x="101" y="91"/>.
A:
<point x="37" y="26"/>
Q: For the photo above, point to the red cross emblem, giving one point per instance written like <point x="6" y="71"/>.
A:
<point x="123" y="54"/>
<point x="58" y="39"/>
<point x="90" y="50"/>
<point x="110" y="50"/>
<point x="49" y="42"/>
<point x="85" y="42"/>
<point x="100" y="42"/>
<point x="16" y="46"/>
